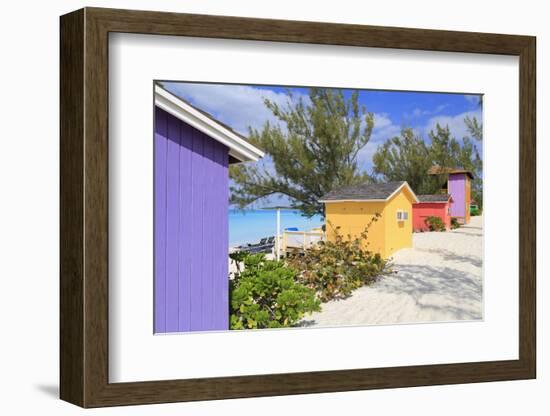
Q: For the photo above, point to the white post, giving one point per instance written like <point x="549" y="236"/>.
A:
<point x="278" y="241"/>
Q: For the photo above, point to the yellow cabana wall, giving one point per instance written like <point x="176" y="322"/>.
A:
<point x="387" y="235"/>
<point x="398" y="233"/>
<point x="352" y="218"/>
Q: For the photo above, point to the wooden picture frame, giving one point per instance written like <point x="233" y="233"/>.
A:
<point x="84" y="207"/>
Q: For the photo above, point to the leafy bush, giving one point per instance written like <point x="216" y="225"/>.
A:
<point x="266" y="295"/>
<point x="474" y="212"/>
<point x="237" y="257"/>
<point x="454" y="223"/>
<point x="333" y="269"/>
<point x="435" y="223"/>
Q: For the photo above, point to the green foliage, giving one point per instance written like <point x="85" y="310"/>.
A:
<point x="435" y="223"/>
<point x="266" y="295"/>
<point x="335" y="268"/>
<point x="475" y="128"/>
<point x="454" y="224"/>
<point x="313" y="150"/>
<point x="237" y="257"/>
<point x="408" y="157"/>
<point x="474" y="212"/>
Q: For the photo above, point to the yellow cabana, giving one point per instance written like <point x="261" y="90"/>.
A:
<point x="353" y="207"/>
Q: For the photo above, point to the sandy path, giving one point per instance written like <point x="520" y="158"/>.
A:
<point x="439" y="279"/>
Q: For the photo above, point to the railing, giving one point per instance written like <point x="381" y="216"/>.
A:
<point x="300" y="240"/>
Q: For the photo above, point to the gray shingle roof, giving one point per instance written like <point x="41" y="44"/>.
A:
<point x="434" y="198"/>
<point x="363" y="192"/>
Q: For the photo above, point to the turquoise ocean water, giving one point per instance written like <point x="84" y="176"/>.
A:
<point x="252" y="225"/>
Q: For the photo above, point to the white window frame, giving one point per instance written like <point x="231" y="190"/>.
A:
<point x="402" y="215"/>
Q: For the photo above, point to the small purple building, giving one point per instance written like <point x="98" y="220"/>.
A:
<point x="191" y="187"/>
<point x="459" y="187"/>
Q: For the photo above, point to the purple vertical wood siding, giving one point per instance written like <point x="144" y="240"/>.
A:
<point x="160" y="220"/>
<point x="457" y="190"/>
<point x="191" y="228"/>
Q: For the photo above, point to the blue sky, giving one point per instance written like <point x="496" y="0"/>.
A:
<point x="241" y="106"/>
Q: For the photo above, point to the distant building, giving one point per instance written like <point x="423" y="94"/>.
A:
<point x="348" y="210"/>
<point x="459" y="187"/>
<point x="438" y="205"/>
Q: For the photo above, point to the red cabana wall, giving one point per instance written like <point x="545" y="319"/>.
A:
<point x="422" y="210"/>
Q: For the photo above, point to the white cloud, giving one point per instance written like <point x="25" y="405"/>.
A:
<point x="456" y="123"/>
<point x="418" y="112"/>
<point x="383" y="130"/>
<point x="381" y="120"/>
<point x="239" y="106"/>
<point x="364" y="157"/>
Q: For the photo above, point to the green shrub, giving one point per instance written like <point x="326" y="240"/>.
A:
<point x="454" y="223"/>
<point x="237" y="257"/>
<point x="474" y="212"/>
<point x="266" y="295"/>
<point x="435" y="223"/>
<point x="333" y="269"/>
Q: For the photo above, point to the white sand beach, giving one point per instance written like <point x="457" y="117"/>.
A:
<point x="439" y="279"/>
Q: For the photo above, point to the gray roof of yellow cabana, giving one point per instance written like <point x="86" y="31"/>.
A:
<point x="366" y="192"/>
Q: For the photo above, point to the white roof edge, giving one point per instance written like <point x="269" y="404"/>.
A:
<point x="375" y="200"/>
<point x="239" y="148"/>
<point x="405" y="183"/>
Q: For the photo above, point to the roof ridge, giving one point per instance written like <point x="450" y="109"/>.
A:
<point x="373" y="191"/>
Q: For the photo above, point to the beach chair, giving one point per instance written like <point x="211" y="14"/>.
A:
<point x="257" y="248"/>
<point x="265" y="246"/>
<point x="268" y="248"/>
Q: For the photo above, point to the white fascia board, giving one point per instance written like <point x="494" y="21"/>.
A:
<point x="398" y="189"/>
<point x="239" y="148"/>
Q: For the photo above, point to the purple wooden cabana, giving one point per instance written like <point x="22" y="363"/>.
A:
<point x="459" y="187"/>
<point x="192" y="154"/>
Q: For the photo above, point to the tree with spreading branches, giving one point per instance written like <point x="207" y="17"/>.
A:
<point x="312" y="149"/>
<point x="475" y="127"/>
<point x="408" y="157"/>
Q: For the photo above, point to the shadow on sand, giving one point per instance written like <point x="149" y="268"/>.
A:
<point x="419" y="282"/>
<point x="448" y="255"/>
